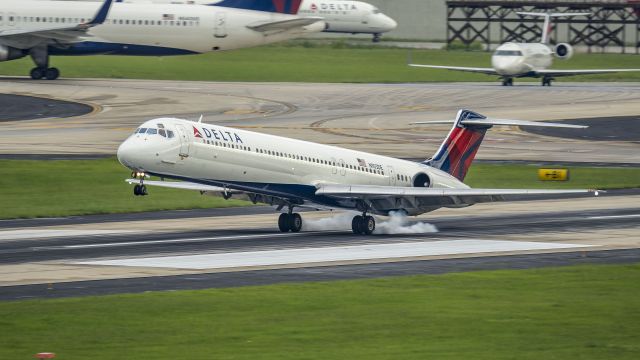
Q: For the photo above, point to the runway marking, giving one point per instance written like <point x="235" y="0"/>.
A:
<point x="332" y="254"/>
<point x="170" y="241"/>
<point x="613" y="217"/>
<point x="39" y="234"/>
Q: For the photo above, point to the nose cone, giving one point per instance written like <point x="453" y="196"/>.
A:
<point x="389" y="23"/>
<point x="127" y="154"/>
<point x="506" y="65"/>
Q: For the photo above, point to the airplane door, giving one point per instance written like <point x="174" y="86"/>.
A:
<point x="184" y="141"/>
<point x="343" y="169"/>
<point x="334" y="167"/>
<point x="220" y="29"/>
<point x="392" y="175"/>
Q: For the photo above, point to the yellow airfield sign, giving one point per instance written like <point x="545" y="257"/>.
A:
<point x="553" y="174"/>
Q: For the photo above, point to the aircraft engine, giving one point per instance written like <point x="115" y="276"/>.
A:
<point x="421" y="180"/>
<point x="9" y="53"/>
<point x="563" y="51"/>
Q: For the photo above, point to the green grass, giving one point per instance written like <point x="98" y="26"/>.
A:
<point x="581" y="312"/>
<point x="330" y="63"/>
<point x="31" y="188"/>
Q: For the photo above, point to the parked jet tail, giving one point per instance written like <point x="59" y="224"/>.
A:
<point x="277" y="6"/>
<point x="458" y="150"/>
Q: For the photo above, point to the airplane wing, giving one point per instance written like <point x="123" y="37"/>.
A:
<point x="488" y="71"/>
<point x="464" y="196"/>
<point x="27" y="38"/>
<point x="184" y="185"/>
<point x="558" y="73"/>
<point x="283" y="25"/>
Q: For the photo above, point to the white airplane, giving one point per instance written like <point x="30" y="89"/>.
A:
<point x="341" y="16"/>
<point x="288" y="173"/>
<point x="42" y="28"/>
<point x="518" y="60"/>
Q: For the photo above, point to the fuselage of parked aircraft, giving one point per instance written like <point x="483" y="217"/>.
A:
<point x="290" y="173"/>
<point x="43" y="28"/>
<point x="518" y="60"/>
<point x="340" y="16"/>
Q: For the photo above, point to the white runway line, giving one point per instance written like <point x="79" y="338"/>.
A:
<point x="613" y="217"/>
<point x="40" y="234"/>
<point x="332" y="254"/>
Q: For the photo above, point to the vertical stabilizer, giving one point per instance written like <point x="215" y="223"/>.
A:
<point x="548" y="26"/>
<point x="458" y="150"/>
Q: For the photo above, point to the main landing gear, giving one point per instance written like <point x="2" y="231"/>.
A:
<point x="507" y="82"/>
<point x="546" y="81"/>
<point x="290" y="222"/>
<point x="40" y="56"/>
<point x="363" y="224"/>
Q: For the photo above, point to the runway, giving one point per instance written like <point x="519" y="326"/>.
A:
<point x="134" y="256"/>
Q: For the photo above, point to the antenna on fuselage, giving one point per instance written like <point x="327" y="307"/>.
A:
<point x="546" y="29"/>
<point x="201" y="117"/>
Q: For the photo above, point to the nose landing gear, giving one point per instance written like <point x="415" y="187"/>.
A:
<point x="507" y="82"/>
<point x="376" y="38"/>
<point x="140" y="189"/>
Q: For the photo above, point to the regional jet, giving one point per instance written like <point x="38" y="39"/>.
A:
<point x="518" y="60"/>
<point x="352" y="17"/>
<point x="289" y="174"/>
<point x="43" y="28"/>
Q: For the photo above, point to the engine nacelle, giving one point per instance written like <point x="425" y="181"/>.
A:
<point x="9" y="53"/>
<point x="421" y="180"/>
<point x="563" y="51"/>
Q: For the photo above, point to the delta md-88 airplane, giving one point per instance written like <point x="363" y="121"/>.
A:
<point x="519" y="60"/>
<point x="42" y="28"/>
<point x="291" y="174"/>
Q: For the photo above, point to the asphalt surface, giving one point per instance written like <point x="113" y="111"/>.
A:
<point x="20" y="107"/>
<point x="329" y="273"/>
<point x="617" y="128"/>
<point x="76" y="248"/>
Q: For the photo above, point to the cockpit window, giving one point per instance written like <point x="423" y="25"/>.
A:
<point x="509" y="53"/>
<point x="142" y="130"/>
<point x="376" y="11"/>
<point x="170" y="134"/>
<point x="162" y="133"/>
<point x="160" y="126"/>
<point x="152" y="131"/>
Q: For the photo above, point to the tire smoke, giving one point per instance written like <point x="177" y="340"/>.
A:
<point x="397" y="223"/>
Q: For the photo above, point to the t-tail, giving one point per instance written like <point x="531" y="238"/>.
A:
<point x="275" y="6"/>
<point x="547" y="27"/>
<point x="458" y="150"/>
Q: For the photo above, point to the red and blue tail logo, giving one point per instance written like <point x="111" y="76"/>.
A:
<point x="459" y="148"/>
<point x="275" y="6"/>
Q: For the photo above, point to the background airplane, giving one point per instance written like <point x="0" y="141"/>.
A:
<point x="354" y="17"/>
<point x="518" y="60"/>
<point x="43" y="28"/>
<point x="292" y="174"/>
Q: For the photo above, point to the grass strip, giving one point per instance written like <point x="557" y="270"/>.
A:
<point x="298" y="63"/>
<point x="578" y="312"/>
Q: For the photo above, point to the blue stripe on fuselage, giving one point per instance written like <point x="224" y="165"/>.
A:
<point x="101" y="48"/>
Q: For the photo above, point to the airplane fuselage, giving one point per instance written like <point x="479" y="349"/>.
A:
<point x="143" y="29"/>
<point x="521" y="59"/>
<point x="267" y="164"/>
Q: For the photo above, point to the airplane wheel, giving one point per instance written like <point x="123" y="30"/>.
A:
<point x="295" y="222"/>
<point x="368" y="225"/>
<point x="376" y="38"/>
<point x="356" y="224"/>
<point x="143" y="190"/>
<point x="284" y="223"/>
<point x="52" y="74"/>
<point x="38" y="73"/>
<point x="136" y="190"/>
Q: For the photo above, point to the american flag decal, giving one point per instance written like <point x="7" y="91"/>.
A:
<point x="362" y="163"/>
<point x="168" y="17"/>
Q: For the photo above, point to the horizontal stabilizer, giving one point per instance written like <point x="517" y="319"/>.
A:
<point x="505" y="122"/>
